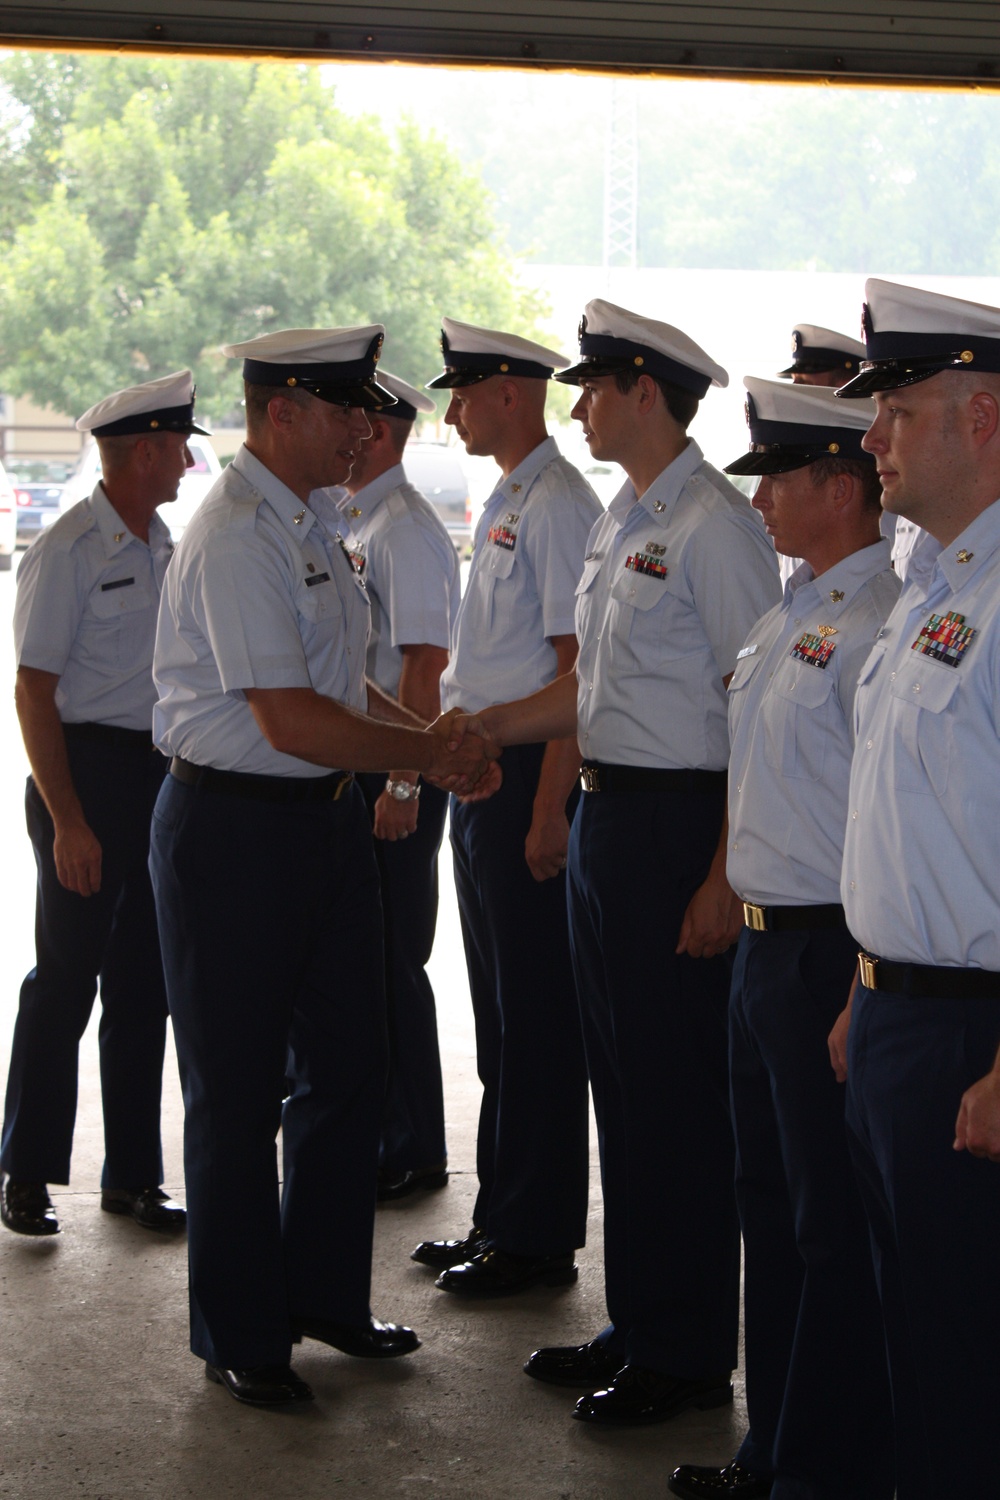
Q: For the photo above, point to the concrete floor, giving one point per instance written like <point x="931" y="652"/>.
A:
<point x="100" y="1398"/>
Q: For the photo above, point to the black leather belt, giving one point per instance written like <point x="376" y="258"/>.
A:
<point x="263" y="788"/>
<point x="793" y="918"/>
<point x="598" y="776"/>
<point x="926" y="981"/>
<point x="111" y="734"/>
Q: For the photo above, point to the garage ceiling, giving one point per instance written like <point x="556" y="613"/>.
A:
<point x="900" y="40"/>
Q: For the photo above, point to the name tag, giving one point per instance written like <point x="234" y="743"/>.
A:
<point x="116" y="583"/>
<point x="317" y="578"/>
<point x="747" y="651"/>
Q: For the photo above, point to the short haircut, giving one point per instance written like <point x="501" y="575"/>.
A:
<point x="398" y="428"/>
<point x="861" y="469"/>
<point x="258" y="397"/>
<point x="681" y="404"/>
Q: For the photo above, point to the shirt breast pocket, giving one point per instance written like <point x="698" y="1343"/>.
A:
<point x="122" y="636"/>
<point x="318" y="602"/>
<point x="500" y="586"/>
<point x="650" y="614"/>
<point x="799" y="721"/>
<point x="923" y="697"/>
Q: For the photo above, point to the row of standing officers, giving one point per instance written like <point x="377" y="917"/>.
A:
<point x="267" y="891"/>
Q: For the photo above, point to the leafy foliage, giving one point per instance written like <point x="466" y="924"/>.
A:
<point x="156" y="209"/>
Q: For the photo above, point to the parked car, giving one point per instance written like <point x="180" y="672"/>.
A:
<point x="436" y="471"/>
<point x="38" y="486"/>
<point x="8" y="522"/>
<point x="193" y="487"/>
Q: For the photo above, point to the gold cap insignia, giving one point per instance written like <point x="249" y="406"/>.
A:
<point x="967" y="356"/>
<point x="639" y="360"/>
<point x="504" y="368"/>
<point x="833" y="448"/>
<point x="291" y="380"/>
<point x="154" y="423"/>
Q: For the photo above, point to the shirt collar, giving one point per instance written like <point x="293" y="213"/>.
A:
<point x="962" y="559"/>
<point x="838" y="585"/>
<point x="515" y="487"/>
<point x="370" y="496"/>
<point x="661" y="497"/>
<point x="115" y="534"/>
<point x="297" y="519"/>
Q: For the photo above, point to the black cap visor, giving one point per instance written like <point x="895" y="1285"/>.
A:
<point x="167" y="419"/>
<point x="820" y="362"/>
<point x="773" y="458"/>
<point x="893" y="374"/>
<point x="367" y="394"/>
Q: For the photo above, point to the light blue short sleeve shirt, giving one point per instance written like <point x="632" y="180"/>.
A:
<point x="527" y="558"/>
<point x="791" y="721"/>
<point x="920" y="882"/>
<point x="671" y="585"/>
<point x="408" y="562"/>
<point x="264" y="595"/>
<point x="87" y="598"/>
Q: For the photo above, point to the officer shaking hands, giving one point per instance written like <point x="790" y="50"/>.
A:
<point x="921" y="893"/>
<point x="265" y="877"/>
<point x="674" y="576"/>
<point x="84" y="625"/>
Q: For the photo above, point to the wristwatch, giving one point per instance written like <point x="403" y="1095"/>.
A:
<point x="403" y="791"/>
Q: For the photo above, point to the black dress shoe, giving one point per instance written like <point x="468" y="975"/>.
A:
<point x="734" y="1482"/>
<point x="374" y="1341"/>
<point x="637" y="1396"/>
<point x="26" y="1207"/>
<point x="588" y="1365"/>
<point x="149" y="1207"/>
<point x="393" y="1183"/>
<point x="263" y="1385"/>
<point x="447" y="1253"/>
<point x="494" y="1273"/>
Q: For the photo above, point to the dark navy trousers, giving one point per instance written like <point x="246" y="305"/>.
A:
<point x="816" y="1377"/>
<point x="656" y="1037"/>
<point x="935" y="1222"/>
<point x="413" y="1121"/>
<point x="108" y="938"/>
<point x="272" y="945"/>
<point x="532" y="1150"/>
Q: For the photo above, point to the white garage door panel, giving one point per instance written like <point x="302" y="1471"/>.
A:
<point x="934" y="39"/>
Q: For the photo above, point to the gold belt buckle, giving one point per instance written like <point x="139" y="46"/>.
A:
<point x="342" y="785"/>
<point x="755" y="916"/>
<point x="590" y="779"/>
<point x="869" y="971"/>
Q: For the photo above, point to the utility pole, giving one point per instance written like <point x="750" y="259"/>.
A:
<point x="621" y="181"/>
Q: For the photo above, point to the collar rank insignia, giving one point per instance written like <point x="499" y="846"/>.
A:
<point x="964" y="556"/>
<point x="516" y="488"/>
<point x="814" y="649"/>
<point x="119" y="535"/>
<point x="655" y="549"/>
<point x="354" y="512"/>
<point x="945" y="637"/>
<point x="301" y="516"/>
<point x="501" y="536"/>
<point x="641" y="562"/>
<point x="837" y="595"/>
<point x="512" y="517"/>
<point x="826" y="630"/>
<point x="659" y="507"/>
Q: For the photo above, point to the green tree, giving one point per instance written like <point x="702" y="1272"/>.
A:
<point x="168" y="207"/>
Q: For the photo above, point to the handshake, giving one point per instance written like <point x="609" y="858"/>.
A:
<point x="465" y="759"/>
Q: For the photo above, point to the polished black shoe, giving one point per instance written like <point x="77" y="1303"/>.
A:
<point x="637" y="1396"/>
<point x="734" y="1482"/>
<point x="26" y="1207"/>
<point x="393" y="1183"/>
<point x="149" y="1207"/>
<point x="263" y="1385"/>
<point x="374" y="1341"/>
<point x="588" y="1365"/>
<point x="494" y="1273"/>
<point x="445" y="1253"/>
